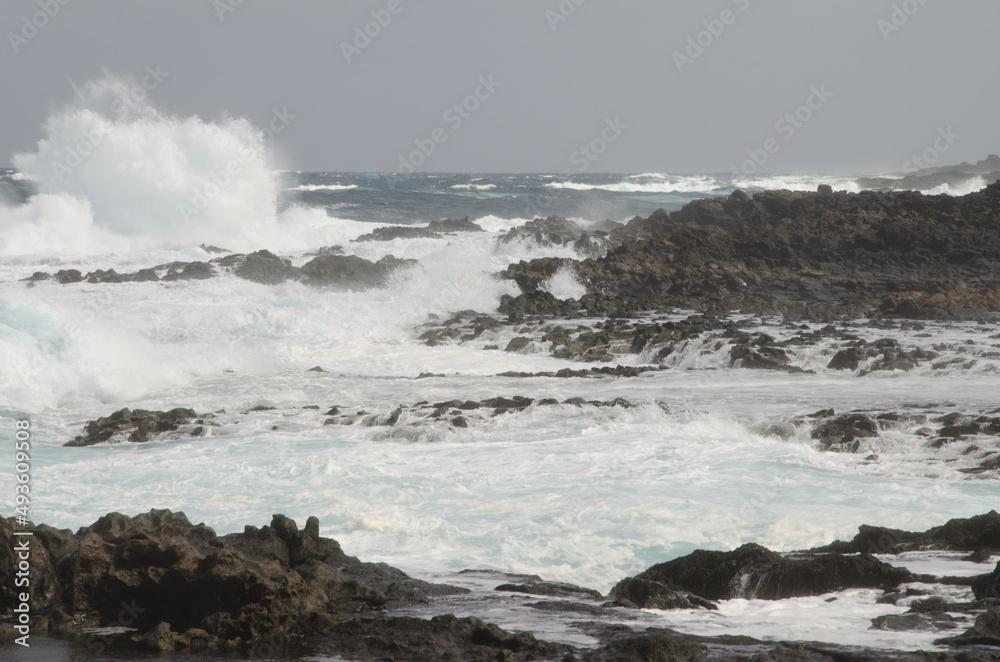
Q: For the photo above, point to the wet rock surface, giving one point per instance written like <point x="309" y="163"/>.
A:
<point x="433" y="230"/>
<point x="897" y="255"/>
<point x="139" y="426"/>
<point x="755" y="572"/>
<point x="170" y="587"/>
<point x="327" y="268"/>
<point x="176" y="581"/>
<point x="979" y="535"/>
<point x="967" y="442"/>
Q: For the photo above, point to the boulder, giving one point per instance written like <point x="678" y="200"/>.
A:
<point x="752" y="571"/>
<point x="180" y="585"/>
<point x="351" y="271"/>
<point x="267" y="268"/>
<point x="136" y="426"/>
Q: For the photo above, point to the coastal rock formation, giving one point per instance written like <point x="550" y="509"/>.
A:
<point x="903" y="255"/>
<point x="554" y="231"/>
<point x="752" y="571"/>
<point x="177" y="581"/>
<point x="351" y="271"/>
<point x="139" y="426"/>
<point x="979" y="535"/>
<point x="327" y="269"/>
<point x="432" y="230"/>
<point x="164" y="585"/>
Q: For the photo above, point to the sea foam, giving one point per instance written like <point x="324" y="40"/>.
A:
<point x="114" y="174"/>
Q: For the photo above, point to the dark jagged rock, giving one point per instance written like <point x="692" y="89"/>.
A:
<point x="987" y="586"/>
<point x="137" y="426"/>
<point x="267" y="268"/>
<point x="552" y="589"/>
<point x="398" y="232"/>
<point x="191" y="271"/>
<point x="846" y="359"/>
<point x="537" y="303"/>
<point x="985" y="631"/>
<point x="798" y="253"/>
<point x="109" y="276"/>
<point x="443" y="638"/>
<point x="179" y="581"/>
<point x="454" y="225"/>
<point x="144" y="276"/>
<point x="517" y="344"/>
<point x="755" y="572"/>
<point x="558" y="231"/>
<point x="743" y="355"/>
<point x="979" y="534"/>
<point x="650" y="594"/>
<point x="351" y="271"/>
<point x="433" y="229"/>
<point x="66" y="276"/>
<point x="845" y="430"/>
<point x="653" y="645"/>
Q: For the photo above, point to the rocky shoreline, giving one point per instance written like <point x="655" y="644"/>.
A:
<point x="865" y="284"/>
<point x="157" y="583"/>
<point x="812" y="256"/>
<point x="970" y="436"/>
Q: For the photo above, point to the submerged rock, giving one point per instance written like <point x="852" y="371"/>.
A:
<point x="136" y="426"/>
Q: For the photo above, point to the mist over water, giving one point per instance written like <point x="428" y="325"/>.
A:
<point x="114" y="174"/>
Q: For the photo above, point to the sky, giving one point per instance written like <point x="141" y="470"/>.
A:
<point x="818" y="86"/>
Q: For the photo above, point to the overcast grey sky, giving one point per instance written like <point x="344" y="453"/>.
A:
<point x="887" y="91"/>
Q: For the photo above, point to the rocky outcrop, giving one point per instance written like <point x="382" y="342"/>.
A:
<point x="987" y="586"/>
<point x="140" y="425"/>
<point x="558" y="231"/>
<point x="752" y="571"/>
<point x="351" y="271"/>
<point x="655" y="645"/>
<point x="264" y="267"/>
<point x="641" y="593"/>
<point x="433" y="230"/>
<point x="175" y="581"/>
<point x="328" y="268"/>
<point x="901" y="255"/>
<point x="979" y="535"/>
<point x="443" y="638"/>
<point x="403" y="421"/>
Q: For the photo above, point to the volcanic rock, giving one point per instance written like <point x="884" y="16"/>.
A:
<point x="752" y="571"/>
<point x="135" y="426"/>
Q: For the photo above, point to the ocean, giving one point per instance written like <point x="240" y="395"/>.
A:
<point x="710" y="456"/>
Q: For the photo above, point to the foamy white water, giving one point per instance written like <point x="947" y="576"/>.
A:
<point x="708" y="458"/>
